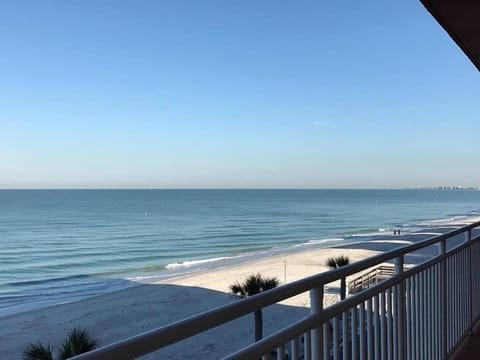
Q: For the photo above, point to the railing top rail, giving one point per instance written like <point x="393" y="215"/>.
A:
<point x="157" y="338"/>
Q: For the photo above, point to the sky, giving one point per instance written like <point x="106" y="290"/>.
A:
<point x="233" y="94"/>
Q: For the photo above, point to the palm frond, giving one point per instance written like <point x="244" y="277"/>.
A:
<point x="253" y="285"/>
<point x="77" y="342"/>
<point x="339" y="261"/>
<point x="331" y="263"/>
<point x="237" y="290"/>
<point x="37" y="351"/>
<point x="342" y="260"/>
<point x="270" y="283"/>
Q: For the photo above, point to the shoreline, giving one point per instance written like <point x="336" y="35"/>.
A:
<point x="200" y="266"/>
<point x="118" y="315"/>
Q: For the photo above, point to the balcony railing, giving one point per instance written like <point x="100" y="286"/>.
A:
<point x="422" y="312"/>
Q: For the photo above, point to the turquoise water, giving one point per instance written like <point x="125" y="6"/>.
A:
<point x="63" y="245"/>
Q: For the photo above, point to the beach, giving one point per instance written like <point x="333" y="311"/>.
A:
<point x="122" y="314"/>
<point x="126" y="313"/>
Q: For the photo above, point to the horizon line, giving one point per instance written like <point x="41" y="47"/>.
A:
<point x="438" y="187"/>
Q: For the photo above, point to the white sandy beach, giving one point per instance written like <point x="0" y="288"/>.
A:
<point x="129" y="312"/>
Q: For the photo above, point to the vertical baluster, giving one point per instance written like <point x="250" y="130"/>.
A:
<point x="431" y="309"/>
<point x="443" y="300"/>
<point x="361" y="329"/>
<point x="345" y="337"/>
<point x="409" y="317"/>
<point x="369" y="330"/>
<point x="395" y="321"/>
<point x="354" y="333"/>
<point x="468" y="271"/>
<point x="462" y="298"/>
<point x="423" y="296"/>
<point x="389" y="324"/>
<point x="326" y="339"/>
<point x="400" y="308"/>
<point x="414" y="316"/>
<point x="307" y="346"/>
<point x="461" y="295"/>
<point x="427" y="314"/>
<point x="376" y="324"/>
<point x="468" y="288"/>
<point x="450" y="293"/>
<point x="438" y="332"/>
<point x="459" y="300"/>
<point x="383" y="326"/>
<point x="281" y="352"/>
<point x="464" y="295"/>
<point x="422" y="312"/>
<point x="294" y="349"/>
<point x="448" y="287"/>
<point x="417" y="317"/>
<point x="336" y="340"/>
<point x="476" y="281"/>
<point x="464" y="277"/>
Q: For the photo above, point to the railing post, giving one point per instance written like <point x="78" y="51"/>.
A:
<point x="316" y="308"/>
<point x="400" y="309"/>
<point x="443" y="298"/>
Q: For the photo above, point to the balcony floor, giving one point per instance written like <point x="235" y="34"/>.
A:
<point x="469" y="349"/>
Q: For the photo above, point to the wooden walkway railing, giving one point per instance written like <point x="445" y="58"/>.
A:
<point x="370" y="278"/>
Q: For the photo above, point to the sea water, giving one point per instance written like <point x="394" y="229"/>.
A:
<point x="59" y="246"/>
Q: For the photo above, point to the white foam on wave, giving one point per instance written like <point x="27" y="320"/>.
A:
<point x="438" y="221"/>
<point x="454" y="220"/>
<point x="407" y="242"/>
<point x="321" y="241"/>
<point x="190" y="263"/>
<point x="141" y="278"/>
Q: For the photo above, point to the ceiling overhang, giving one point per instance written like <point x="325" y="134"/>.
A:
<point x="461" y="20"/>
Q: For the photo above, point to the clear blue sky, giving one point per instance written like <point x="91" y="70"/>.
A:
<point x="233" y="94"/>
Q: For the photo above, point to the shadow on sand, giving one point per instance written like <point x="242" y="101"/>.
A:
<point x="122" y="314"/>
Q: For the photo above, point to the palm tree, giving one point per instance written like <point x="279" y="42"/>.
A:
<point x="253" y="285"/>
<point x="335" y="263"/>
<point x="78" y="341"/>
<point x="37" y="351"/>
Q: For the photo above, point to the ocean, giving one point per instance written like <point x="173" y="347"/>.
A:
<point x="59" y="246"/>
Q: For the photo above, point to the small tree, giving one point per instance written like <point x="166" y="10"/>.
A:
<point x="335" y="263"/>
<point x="78" y="341"/>
<point x="253" y="285"/>
<point x="37" y="351"/>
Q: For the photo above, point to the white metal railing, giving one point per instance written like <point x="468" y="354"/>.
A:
<point x="420" y="313"/>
